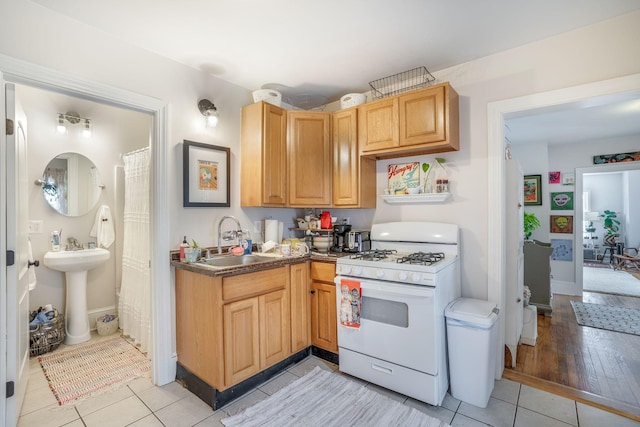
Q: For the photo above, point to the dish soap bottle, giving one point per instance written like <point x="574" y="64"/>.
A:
<point x="183" y="246"/>
<point x="246" y="242"/>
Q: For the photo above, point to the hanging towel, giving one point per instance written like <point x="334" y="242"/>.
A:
<point x="31" y="271"/>
<point x="350" y="303"/>
<point x="103" y="227"/>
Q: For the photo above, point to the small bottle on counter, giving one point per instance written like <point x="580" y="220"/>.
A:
<point x="55" y="241"/>
<point x="184" y="245"/>
<point x="246" y="242"/>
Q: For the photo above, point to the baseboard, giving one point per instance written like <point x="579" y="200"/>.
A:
<point x="98" y="312"/>
<point x="565" y="288"/>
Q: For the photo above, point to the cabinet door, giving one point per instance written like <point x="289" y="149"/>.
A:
<point x="378" y="125"/>
<point x="300" y="309"/>
<point x="309" y="154"/>
<point x="275" y="338"/>
<point x="263" y="155"/>
<point x="324" y="329"/>
<point x="241" y="340"/>
<point x="422" y="116"/>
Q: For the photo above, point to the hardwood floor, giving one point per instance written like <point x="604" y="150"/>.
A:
<point x="602" y="366"/>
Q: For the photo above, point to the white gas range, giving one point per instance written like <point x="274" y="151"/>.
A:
<point x="394" y="336"/>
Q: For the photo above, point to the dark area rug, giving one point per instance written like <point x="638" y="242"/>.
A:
<point x="611" y="318"/>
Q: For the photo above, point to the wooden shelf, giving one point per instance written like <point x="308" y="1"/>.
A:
<point x="416" y="198"/>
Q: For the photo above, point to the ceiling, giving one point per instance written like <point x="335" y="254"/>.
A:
<point x="315" y="52"/>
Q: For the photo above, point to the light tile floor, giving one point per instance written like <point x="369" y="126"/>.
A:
<point x="141" y="404"/>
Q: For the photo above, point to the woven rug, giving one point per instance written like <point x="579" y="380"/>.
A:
<point x="611" y="318"/>
<point x="596" y="264"/>
<point x="323" y="398"/>
<point x="89" y="369"/>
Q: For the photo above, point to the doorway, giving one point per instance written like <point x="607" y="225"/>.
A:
<point x="20" y="72"/>
<point x="498" y="112"/>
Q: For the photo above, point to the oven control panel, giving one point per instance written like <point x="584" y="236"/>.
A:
<point x="386" y="274"/>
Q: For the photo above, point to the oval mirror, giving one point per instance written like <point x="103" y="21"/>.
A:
<point x="71" y="184"/>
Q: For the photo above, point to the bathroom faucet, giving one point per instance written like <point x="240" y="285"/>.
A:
<point x="73" y="244"/>
<point x="234" y="234"/>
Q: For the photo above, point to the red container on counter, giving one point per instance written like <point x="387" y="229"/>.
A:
<point x="325" y="220"/>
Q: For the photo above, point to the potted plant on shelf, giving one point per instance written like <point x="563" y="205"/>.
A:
<point x="531" y="222"/>
<point x="611" y="225"/>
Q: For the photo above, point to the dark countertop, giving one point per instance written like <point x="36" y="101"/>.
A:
<point x="277" y="262"/>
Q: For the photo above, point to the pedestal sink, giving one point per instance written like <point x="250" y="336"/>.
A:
<point x="75" y="265"/>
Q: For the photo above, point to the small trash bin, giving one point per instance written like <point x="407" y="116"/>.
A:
<point x="472" y="343"/>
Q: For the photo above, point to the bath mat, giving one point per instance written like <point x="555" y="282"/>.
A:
<point x="89" y="369"/>
<point x="611" y="318"/>
<point x="323" y="398"/>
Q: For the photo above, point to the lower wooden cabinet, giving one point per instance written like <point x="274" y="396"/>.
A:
<point x="324" y="329"/>
<point x="300" y="307"/>
<point x="231" y="328"/>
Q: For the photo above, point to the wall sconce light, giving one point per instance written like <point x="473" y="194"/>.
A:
<point x="73" y="118"/>
<point x="209" y="111"/>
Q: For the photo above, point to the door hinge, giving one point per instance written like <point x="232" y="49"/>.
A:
<point x="10" y="389"/>
<point x="9" y="126"/>
<point x="11" y="258"/>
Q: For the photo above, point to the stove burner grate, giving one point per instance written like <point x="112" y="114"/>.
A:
<point x="423" y="258"/>
<point x="374" y="254"/>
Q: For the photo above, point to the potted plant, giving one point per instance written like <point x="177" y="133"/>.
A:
<point x="531" y="222"/>
<point x="611" y="225"/>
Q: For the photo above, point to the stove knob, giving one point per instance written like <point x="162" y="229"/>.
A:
<point x="379" y="274"/>
<point x="358" y="271"/>
<point x="403" y="275"/>
<point x="345" y="270"/>
<point x="416" y="277"/>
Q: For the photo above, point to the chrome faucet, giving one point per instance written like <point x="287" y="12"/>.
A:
<point x="73" y="244"/>
<point x="231" y="235"/>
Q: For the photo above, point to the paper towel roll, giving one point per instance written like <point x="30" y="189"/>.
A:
<point x="271" y="230"/>
<point x="280" y="231"/>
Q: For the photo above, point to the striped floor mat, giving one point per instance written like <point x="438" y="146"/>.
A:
<point x="89" y="369"/>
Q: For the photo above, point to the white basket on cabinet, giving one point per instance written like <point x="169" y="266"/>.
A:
<point x="268" y="95"/>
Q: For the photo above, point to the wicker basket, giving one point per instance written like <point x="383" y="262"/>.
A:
<point x="47" y="336"/>
<point x="106" y="328"/>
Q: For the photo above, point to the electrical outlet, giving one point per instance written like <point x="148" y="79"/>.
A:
<point x="35" y="226"/>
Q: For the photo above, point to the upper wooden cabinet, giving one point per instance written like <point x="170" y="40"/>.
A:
<point x="263" y="156"/>
<point x="309" y="157"/>
<point x="418" y="122"/>
<point x="354" y="178"/>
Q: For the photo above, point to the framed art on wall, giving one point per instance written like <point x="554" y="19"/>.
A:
<point x="562" y="201"/>
<point x="206" y="175"/>
<point x="561" y="224"/>
<point x="554" y="177"/>
<point x="532" y="190"/>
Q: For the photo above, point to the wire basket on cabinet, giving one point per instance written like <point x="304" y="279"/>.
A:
<point x="402" y="82"/>
<point x="47" y="336"/>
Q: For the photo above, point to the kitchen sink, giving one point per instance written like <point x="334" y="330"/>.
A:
<point x="229" y="261"/>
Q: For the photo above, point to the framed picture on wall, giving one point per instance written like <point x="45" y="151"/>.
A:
<point x="206" y="175"/>
<point x="554" y="177"/>
<point x="562" y="201"/>
<point x="532" y="190"/>
<point x="561" y="224"/>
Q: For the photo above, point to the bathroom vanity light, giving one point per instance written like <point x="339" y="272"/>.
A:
<point x="73" y="118"/>
<point x="209" y="111"/>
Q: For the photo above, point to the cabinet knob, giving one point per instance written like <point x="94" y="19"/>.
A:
<point x="312" y="292"/>
<point x="519" y="300"/>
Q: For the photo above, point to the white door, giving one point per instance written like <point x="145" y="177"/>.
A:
<point x="15" y="287"/>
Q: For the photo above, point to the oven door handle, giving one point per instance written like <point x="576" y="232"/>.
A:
<point x="401" y="290"/>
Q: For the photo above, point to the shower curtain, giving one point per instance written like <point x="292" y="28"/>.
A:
<point x="134" y="304"/>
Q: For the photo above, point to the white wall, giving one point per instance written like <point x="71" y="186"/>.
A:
<point x="598" y="52"/>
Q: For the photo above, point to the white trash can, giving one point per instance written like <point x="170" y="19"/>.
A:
<point x="472" y="340"/>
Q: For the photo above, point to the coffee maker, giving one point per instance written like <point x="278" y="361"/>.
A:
<point x="340" y="232"/>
